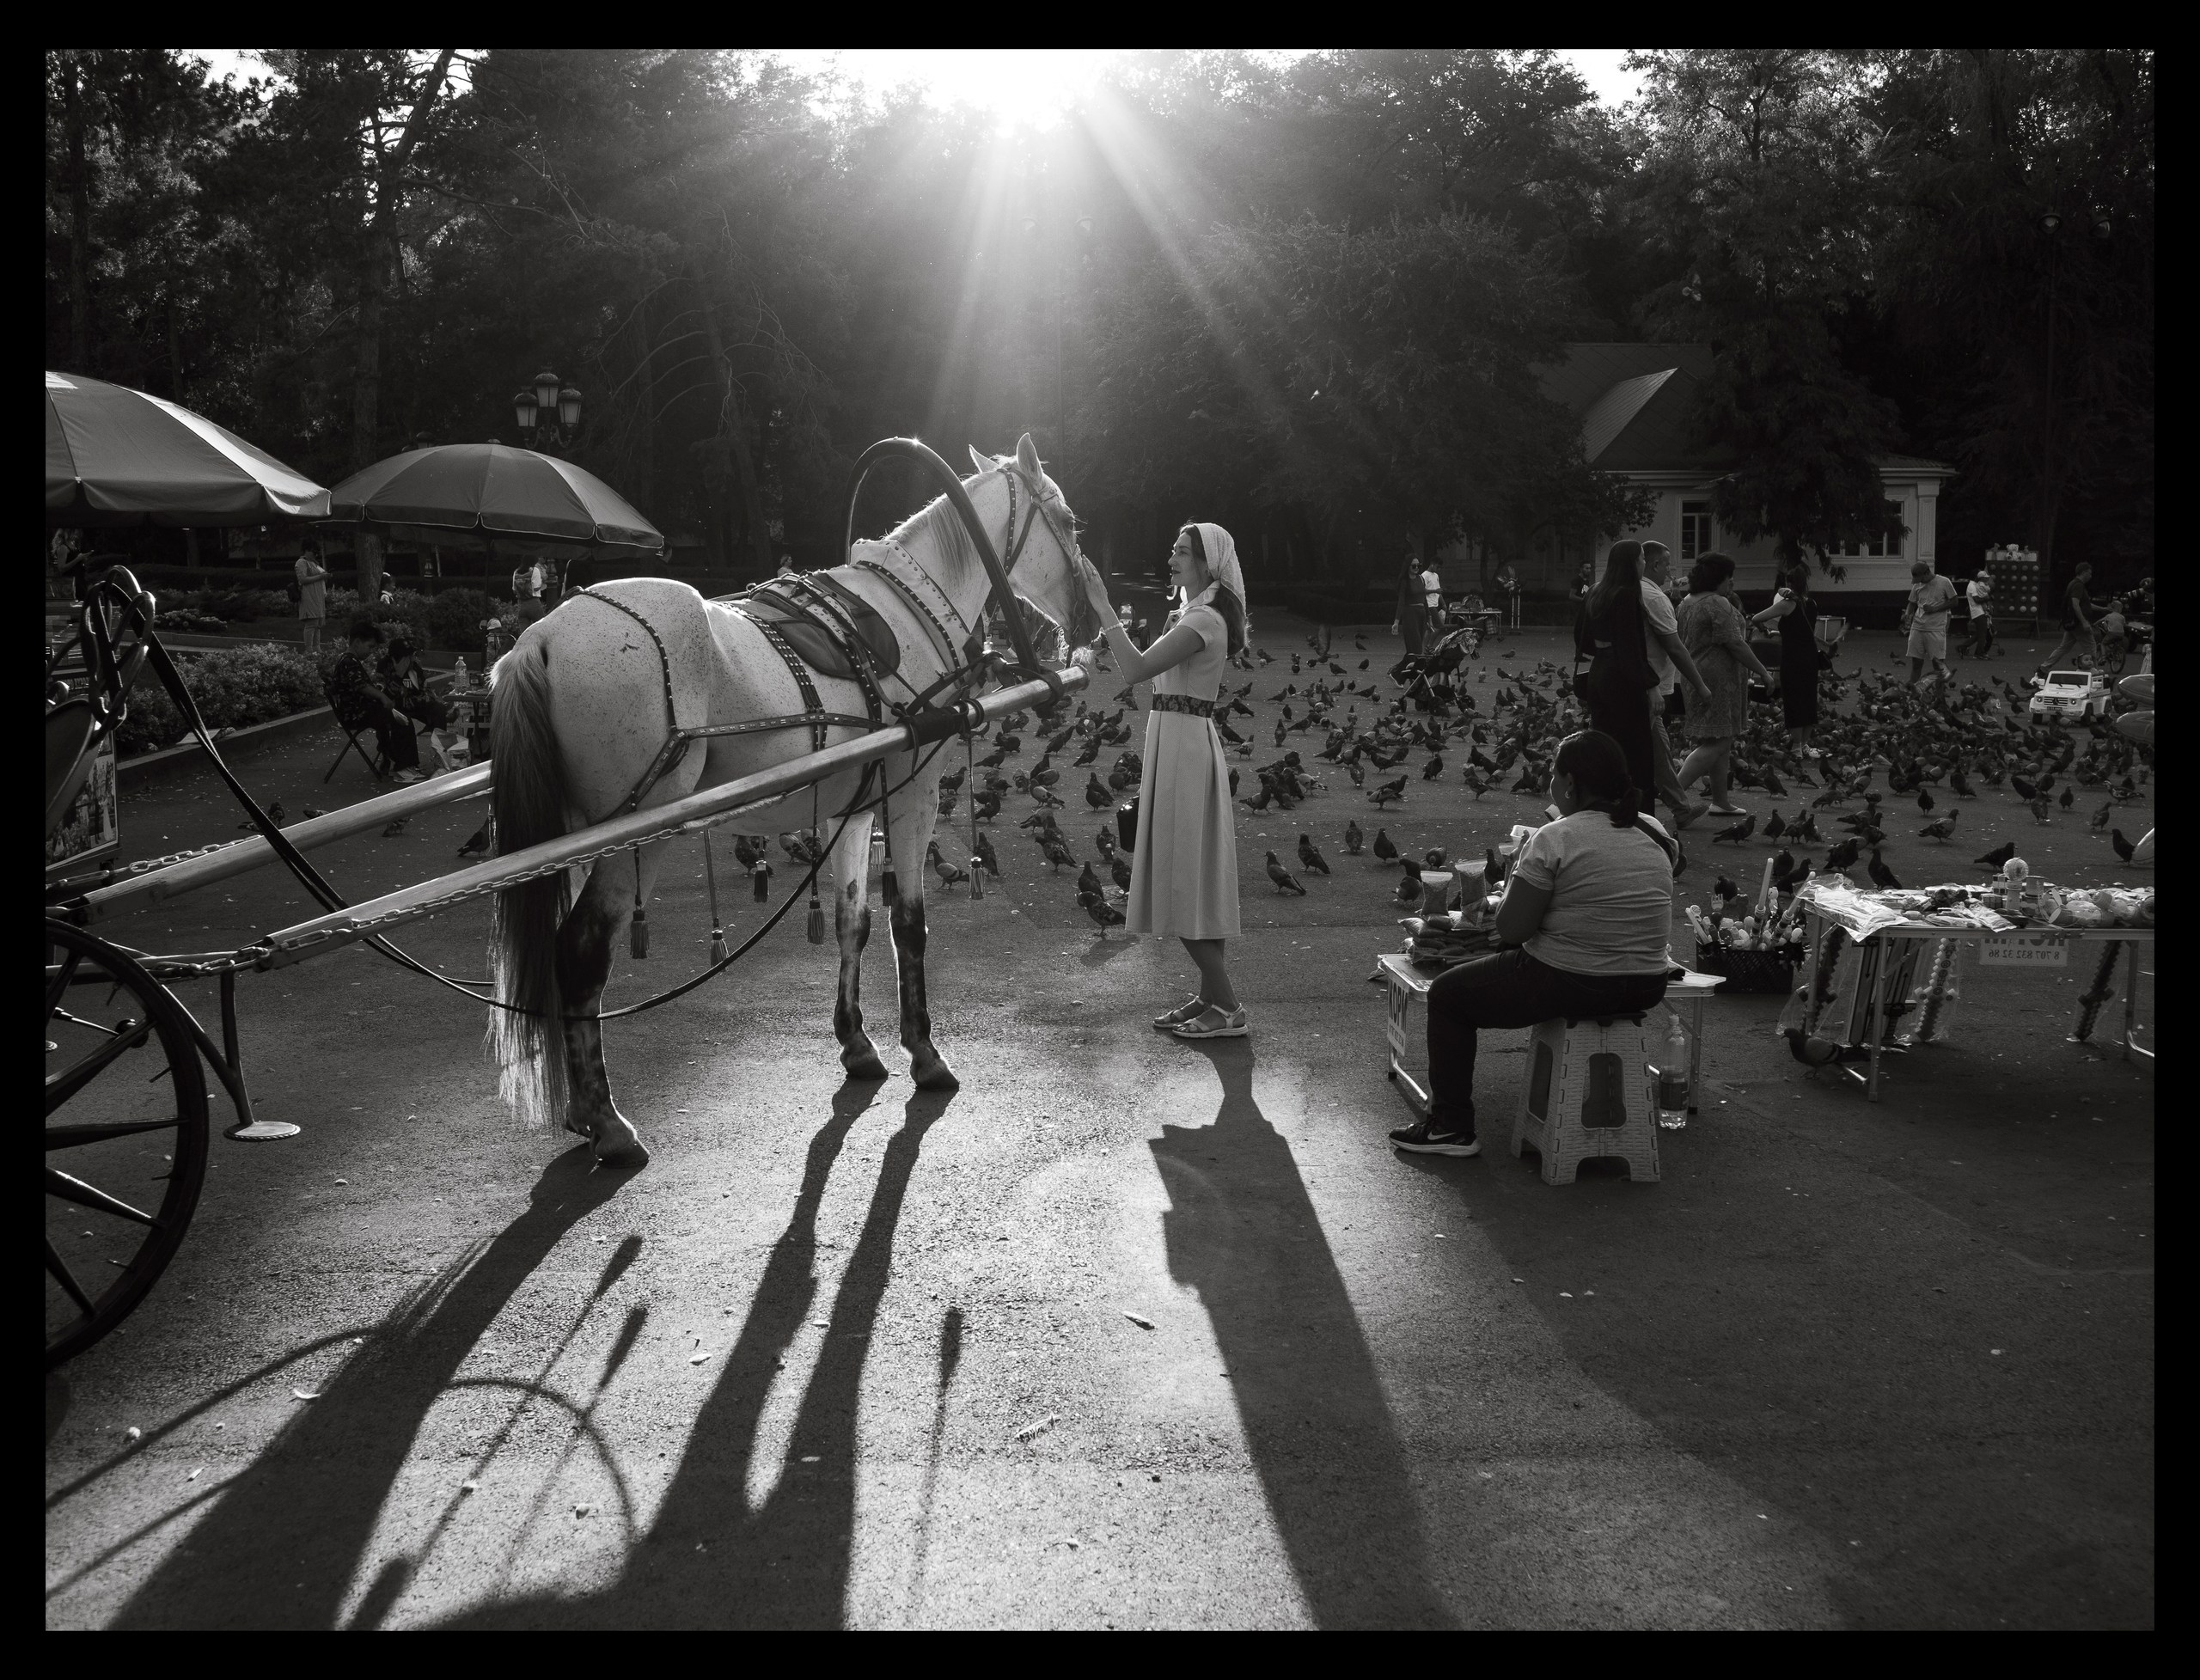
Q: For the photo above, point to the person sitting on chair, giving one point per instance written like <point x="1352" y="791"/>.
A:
<point x="359" y="702"/>
<point x="403" y="682"/>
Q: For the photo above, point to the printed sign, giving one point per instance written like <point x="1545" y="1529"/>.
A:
<point x="2025" y="950"/>
<point x="92" y="826"/>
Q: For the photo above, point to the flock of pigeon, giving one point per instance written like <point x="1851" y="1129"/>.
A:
<point x="1952" y="755"/>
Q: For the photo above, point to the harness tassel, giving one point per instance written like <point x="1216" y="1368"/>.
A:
<point x="817" y="917"/>
<point x="718" y="923"/>
<point x="762" y="877"/>
<point x="977" y="878"/>
<point x="637" y="936"/>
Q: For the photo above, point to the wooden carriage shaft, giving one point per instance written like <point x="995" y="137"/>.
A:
<point x="691" y="815"/>
<point x="104" y="903"/>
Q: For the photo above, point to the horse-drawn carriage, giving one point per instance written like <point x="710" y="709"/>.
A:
<point x="667" y="716"/>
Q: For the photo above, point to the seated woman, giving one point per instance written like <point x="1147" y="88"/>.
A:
<point x="1587" y="913"/>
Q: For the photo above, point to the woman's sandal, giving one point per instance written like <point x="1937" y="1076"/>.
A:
<point x="1228" y="1023"/>
<point x="1186" y="1011"/>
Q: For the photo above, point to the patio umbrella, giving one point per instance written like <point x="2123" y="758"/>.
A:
<point x="116" y="456"/>
<point x="512" y="499"/>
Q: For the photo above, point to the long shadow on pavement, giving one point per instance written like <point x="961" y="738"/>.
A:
<point x="1242" y="1231"/>
<point x="306" y="1510"/>
<point x="708" y="1560"/>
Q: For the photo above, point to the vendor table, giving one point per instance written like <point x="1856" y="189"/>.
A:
<point x="2050" y="946"/>
<point x="1406" y="1034"/>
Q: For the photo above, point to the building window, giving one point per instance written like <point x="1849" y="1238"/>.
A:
<point x="1885" y="545"/>
<point x="1696" y="539"/>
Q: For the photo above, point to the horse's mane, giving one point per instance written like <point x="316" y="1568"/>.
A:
<point x="943" y="527"/>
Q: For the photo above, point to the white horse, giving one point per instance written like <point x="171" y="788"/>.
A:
<point x="580" y="718"/>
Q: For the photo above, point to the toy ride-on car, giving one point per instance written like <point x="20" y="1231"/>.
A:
<point x="2071" y="695"/>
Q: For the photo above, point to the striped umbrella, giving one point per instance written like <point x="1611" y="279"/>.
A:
<point x="116" y="456"/>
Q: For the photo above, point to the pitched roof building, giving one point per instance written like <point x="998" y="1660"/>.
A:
<point x="1636" y="404"/>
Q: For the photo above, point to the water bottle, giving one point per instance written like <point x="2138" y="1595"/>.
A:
<point x="1672" y="1079"/>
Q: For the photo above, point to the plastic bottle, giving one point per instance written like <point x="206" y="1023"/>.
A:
<point x="1672" y="1079"/>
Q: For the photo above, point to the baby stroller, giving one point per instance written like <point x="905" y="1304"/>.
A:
<point x="1431" y="679"/>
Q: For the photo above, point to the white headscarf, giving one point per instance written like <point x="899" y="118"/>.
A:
<point x="1222" y="567"/>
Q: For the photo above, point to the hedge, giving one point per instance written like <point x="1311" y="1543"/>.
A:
<point x="235" y="688"/>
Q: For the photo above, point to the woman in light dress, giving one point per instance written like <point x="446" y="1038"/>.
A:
<point x="1184" y="867"/>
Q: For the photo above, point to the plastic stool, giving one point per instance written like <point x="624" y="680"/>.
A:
<point x="1587" y="1093"/>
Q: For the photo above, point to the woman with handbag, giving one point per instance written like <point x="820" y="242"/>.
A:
<point x="1184" y="865"/>
<point x="1797" y="615"/>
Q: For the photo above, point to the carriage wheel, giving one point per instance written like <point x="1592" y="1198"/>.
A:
<point x="125" y="1112"/>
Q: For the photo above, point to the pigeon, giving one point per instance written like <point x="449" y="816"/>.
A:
<point x="1844" y="854"/>
<point x="2124" y="847"/>
<point x="986" y="856"/>
<point x="1354" y="838"/>
<point x="1055" y="853"/>
<point x="1775" y="825"/>
<point x="2026" y="790"/>
<point x="1782" y="865"/>
<point x="1999" y="855"/>
<point x="1285" y="881"/>
<point x="275" y="814"/>
<point x="310" y="811"/>
<point x="1120" y="870"/>
<point x="1104" y="914"/>
<point x="1739" y="832"/>
<point x="2040" y="807"/>
<point x="2099" y="821"/>
<point x="1090" y="881"/>
<point x="2070" y="798"/>
<point x="1410" y="887"/>
<point x="1384" y="848"/>
<point x="1433" y="768"/>
<point x="1311" y="858"/>
<point x="1939" y="831"/>
<point x="1097" y="794"/>
<point x="985" y="807"/>
<point x="1387" y="792"/>
<point x="1925" y="801"/>
<point x="1493" y="869"/>
<point x="1879" y="872"/>
<point x="949" y="874"/>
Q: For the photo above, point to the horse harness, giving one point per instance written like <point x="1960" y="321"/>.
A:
<point x="812" y="620"/>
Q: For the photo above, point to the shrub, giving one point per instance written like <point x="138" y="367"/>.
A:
<point x="454" y="621"/>
<point x="151" y="722"/>
<point x="235" y="687"/>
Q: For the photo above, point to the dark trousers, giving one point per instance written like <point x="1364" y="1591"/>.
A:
<point x="1510" y="989"/>
<point x="394" y="740"/>
<point x="1619" y="704"/>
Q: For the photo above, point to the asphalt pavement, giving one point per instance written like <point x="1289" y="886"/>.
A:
<point x="1127" y="1333"/>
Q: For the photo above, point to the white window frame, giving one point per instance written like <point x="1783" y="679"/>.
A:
<point x="1696" y="508"/>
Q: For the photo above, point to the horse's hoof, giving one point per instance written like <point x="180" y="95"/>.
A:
<point x="938" y="1076"/>
<point x="631" y="1155"/>
<point x="864" y="1065"/>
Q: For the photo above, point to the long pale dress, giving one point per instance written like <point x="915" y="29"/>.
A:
<point x="1184" y="868"/>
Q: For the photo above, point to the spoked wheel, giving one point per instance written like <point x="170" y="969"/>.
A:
<point x="125" y="1136"/>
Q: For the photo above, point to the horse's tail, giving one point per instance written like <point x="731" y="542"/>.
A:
<point x="529" y="798"/>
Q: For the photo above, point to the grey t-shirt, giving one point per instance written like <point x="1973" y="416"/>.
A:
<point x="1611" y="906"/>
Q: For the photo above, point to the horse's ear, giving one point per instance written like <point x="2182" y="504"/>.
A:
<point x="1027" y="456"/>
<point x="982" y="462"/>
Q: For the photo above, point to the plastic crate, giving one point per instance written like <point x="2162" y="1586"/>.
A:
<point x="1766" y="971"/>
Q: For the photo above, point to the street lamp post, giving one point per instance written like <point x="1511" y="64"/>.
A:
<point x="549" y="414"/>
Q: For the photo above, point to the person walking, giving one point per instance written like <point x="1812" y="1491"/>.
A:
<point x="1670" y="662"/>
<point x="1978" y="595"/>
<point x="313" y="596"/>
<point x="1711" y="625"/>
<point x="1925" y="616"/>
<point x="1611" y="632"/>
<point x="2077" y="609"/>
<point x="1797" y="615"/>
<point x="1410" y="620"/>
<point x="1586" y="921"/>
<point x="1184" y="864"/>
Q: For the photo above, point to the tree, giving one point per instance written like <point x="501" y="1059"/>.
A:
<point x="1758" y="176"/>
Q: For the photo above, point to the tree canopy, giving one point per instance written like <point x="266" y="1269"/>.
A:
<point x="1309" y="298"/>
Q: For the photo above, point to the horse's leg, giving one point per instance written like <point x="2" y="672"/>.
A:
<point x="908" y="835"/>
<point x="851" y="864"/>
<point x="584" y="951"/>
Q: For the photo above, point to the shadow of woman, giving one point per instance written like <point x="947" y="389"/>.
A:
<point x="708" y="1560"/>
<point x="281" y="1547"/>
<point x="1241" y="1230"/>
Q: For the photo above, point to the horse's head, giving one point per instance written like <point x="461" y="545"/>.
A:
<point x="1045" y="571"/>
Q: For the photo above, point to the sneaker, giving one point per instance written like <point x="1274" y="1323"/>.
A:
<point x="1420" y="1139"/>
<point x="1214" y="1023"/>
<point x="407" y="777"/>
<point x="1186" y="1011"/>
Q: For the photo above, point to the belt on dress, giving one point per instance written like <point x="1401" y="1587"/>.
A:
<point x="1183" y="703"/>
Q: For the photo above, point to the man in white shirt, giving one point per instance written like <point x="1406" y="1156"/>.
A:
<point x="1979" y="593"/>
<point x="1925" y="616"/>
<point x="1670" y="661"/>
<point x="1431" y="592"/>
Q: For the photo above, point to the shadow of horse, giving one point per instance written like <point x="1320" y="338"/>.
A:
<point x="1242" y="1231"/>
<point x="306" y="1510"/>
<point x="708" y="1559"/>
